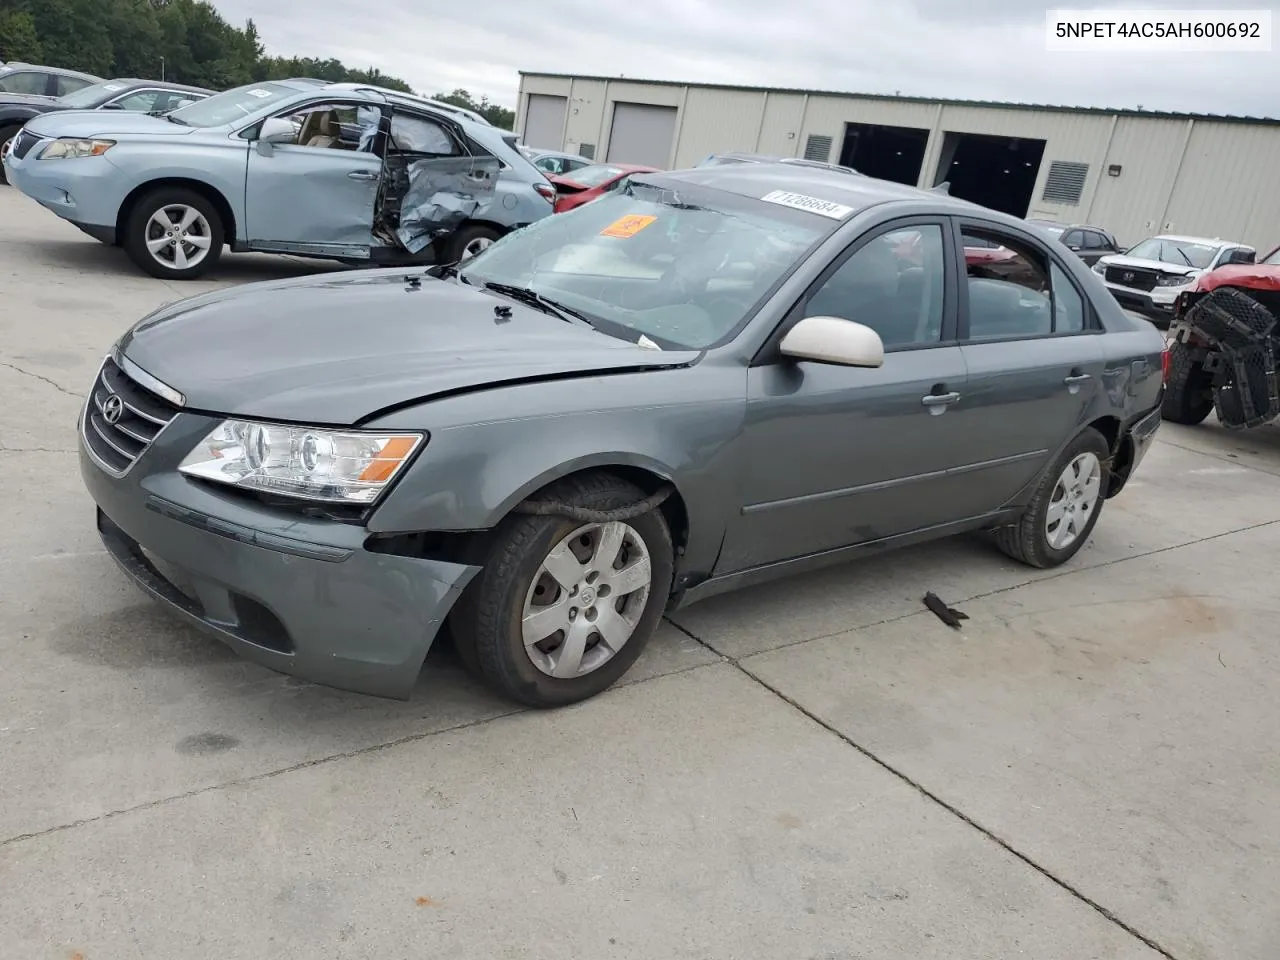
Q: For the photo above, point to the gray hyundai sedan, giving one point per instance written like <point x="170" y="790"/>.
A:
<point x="712" y="378"/>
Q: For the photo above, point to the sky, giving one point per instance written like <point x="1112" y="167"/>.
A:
<point x="954" y="49"/>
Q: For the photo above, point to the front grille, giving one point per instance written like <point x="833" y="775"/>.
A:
<point x="1130" y="277"/>
<point x="122" y="418"/>
<point x="23" y="143"/>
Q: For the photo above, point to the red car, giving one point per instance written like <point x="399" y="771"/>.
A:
<point x="586" y="183"/>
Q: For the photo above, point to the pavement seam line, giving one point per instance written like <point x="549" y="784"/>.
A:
<point x="36" y="376"/>
<point x="330" y="758"/>
<point x="933" y="797"/>
<point x="1075" y="571"/>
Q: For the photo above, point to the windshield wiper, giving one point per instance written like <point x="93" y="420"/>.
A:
<point x="534" y="299"/>
<point x="1183" y="254"/>
<point x="172" y="119"/>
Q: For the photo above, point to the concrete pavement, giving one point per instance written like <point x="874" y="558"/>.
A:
<point x="812" y="769"/>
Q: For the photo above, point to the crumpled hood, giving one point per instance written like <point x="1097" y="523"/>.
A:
<point x="103" y="123"/>
<point x="336" y="349"/>
<point x="1254" y="276"/>
<point x="1158" y="266"/>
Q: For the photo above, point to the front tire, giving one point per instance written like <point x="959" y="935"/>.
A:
<point x="563" y="607"/>
<point x="1065" y="507"/>
<point x="1188" y="391"/>
<point x="173" y="233"/>
<point x="6" y="141"/>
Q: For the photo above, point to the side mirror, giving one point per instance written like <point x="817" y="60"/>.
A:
<point x="833" y="340"/>
<point x="277" y="130"/>
<point x="112" y="106"/>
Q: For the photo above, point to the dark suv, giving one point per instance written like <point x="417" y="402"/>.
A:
<point x="1089" y="243"/>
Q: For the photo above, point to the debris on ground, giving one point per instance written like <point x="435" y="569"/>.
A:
<point x="948" y="615"/>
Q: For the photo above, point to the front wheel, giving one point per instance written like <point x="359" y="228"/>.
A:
<point x="7" y="136"/>
<point x="1188" y="396"/>
<point x="1066" y="505"/>
<point x="174" y="234"/>
<point x="563" y="607"/>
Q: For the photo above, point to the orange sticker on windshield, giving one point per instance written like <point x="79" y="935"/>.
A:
<point x="627" y="226"/>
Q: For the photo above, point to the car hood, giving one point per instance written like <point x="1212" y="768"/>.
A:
<point x="1158" y="266"/>
<point x="1252" y="276"/>
<point x="338" y="349"/>
<point x="102" y="123"/>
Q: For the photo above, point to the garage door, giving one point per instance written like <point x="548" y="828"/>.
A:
<point x="642" y="133"/>
<point x="544" y="121"/>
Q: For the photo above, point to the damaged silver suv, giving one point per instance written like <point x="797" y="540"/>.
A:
<point x="347" y="172"/>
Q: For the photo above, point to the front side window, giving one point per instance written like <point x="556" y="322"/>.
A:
<point x="331" y="126"/>
<point x="24" y="81"/>
<point x="684" y="271"/>
<point x="892" y="284"/>
<point x="65" y="85"/>
<point x="232" y="105"/>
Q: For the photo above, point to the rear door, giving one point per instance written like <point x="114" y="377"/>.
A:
<point x="1035" y="364"/>
<point x="316" y="193"/>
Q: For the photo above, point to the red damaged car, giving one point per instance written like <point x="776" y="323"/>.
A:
<point x="586" y="183"/>
<point x="1224" y="345"/>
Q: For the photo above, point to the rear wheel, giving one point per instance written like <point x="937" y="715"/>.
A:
<point x="1065" y="507"/>
<point x="563" y="607"/>
<point x="7" y="135"/>
<point x="1188" y="392"/>
<point x="174" y="234"/>
<point x="469" y="241"/>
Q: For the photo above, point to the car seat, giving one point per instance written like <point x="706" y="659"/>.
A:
<point x="321" y="129"/>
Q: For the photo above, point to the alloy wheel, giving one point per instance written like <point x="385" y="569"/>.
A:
<point x="586" y="599"/>
<point x="1075" y="496"/>
<point x="178" y="236"/>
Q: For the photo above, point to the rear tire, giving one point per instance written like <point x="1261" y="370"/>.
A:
<point x="1039" y="538"/>
<point x="611" y="585"/>
<point x="1188" y="396"/>
<point x="173" y="233"/>
<point x="468" y="241"/>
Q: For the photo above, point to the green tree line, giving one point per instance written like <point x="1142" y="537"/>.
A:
<point x="186" y="41"/>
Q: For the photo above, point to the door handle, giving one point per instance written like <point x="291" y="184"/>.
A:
<point x="1078" y="378"/>
<point x="362" y="175"/>
<point x="939" y="399"/>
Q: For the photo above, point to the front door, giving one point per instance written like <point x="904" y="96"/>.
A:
<point x="1035" y="364"/>
<point x="832" y="455"/>
<point x="317" y="193"/>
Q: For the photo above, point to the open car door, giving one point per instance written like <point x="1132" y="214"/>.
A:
<point x="433" y="181"/>
<point x="315" y="191"/>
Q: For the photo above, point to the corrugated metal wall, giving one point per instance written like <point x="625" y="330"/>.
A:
<point x="1199" y="177"/>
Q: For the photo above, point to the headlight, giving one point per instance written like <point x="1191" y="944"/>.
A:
<point x="69" y="148"/>
<point x="1100" y="268"/>
<point x="1174" y="281"/>
<point x="311" y="464"/>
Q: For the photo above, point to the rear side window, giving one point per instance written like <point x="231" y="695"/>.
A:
<point x="67" y="85"/>
<point x="410" y="134"/>
<point x="24" y="81"/>
<point x="1015" y="290"/>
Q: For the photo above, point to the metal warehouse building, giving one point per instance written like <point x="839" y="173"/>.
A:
<point x="1135" y="172"/>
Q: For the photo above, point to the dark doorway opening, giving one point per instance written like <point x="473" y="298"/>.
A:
<point x="995" y="172"/>
<point x="887" y="153"/>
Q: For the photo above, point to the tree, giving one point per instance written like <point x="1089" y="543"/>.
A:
<point x="498" y="115"/>
<point x="134" y="38"/>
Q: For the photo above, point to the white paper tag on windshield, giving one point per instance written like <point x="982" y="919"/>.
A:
<point x="113" y="86"/>
<point x="798" y="201"/>
<point x="647" y="343"/>
<point x="258" y="93"/>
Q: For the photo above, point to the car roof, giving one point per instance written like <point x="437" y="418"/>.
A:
<point x="58" y="71"/>
<point x="413" y="99"/>
<point x="161" y="84"/>
<point x="1206" y="241"/>
<point x="756" y="180"/>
